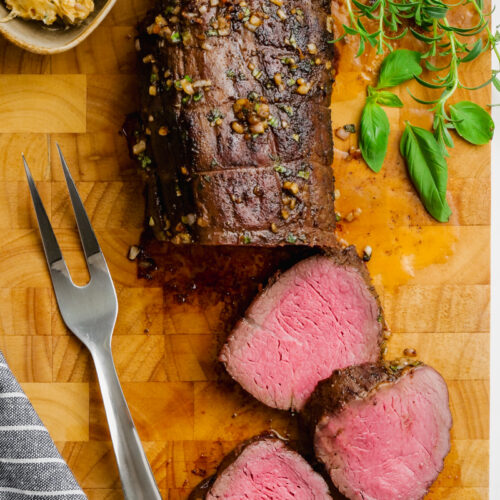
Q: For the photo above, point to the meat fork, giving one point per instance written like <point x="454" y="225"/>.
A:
<point x="90" y="313"/>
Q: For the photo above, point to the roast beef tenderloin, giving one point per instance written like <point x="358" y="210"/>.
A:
<point x="235" y="127"/>
<point x="381" y="430"/>
<point x="320" y="315"/>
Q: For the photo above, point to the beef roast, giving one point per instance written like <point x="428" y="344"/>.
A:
<point x="382" y="431"/>
<point x="266" y="469"/>
<point x="235" y="127"/>
<point x="320" y="315"/>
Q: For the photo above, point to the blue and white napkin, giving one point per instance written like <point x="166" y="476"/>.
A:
<point x="31" y="468"/>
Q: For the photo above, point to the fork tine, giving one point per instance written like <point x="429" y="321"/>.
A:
<point x="50" y="245"/>
<point x="87" y="236"/>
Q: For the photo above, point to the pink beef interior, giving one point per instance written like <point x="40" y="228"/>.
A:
<point x="392" y="444"/>
<point x="317" y="317"/>
<point x="267" y="470"/>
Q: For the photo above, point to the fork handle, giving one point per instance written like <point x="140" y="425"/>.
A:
<point x="136" y="476"/>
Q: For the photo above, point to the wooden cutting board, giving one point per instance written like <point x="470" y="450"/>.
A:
<point x="433" y="278"/>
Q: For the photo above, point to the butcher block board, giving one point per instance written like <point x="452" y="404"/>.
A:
<point x="433" y="278"/>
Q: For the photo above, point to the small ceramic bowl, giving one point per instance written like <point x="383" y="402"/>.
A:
<point x="40" y="39"/>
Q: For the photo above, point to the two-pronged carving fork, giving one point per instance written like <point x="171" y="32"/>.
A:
<point x="90" y="312"/>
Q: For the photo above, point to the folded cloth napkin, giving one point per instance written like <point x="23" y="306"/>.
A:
<point x="30" y="465"/>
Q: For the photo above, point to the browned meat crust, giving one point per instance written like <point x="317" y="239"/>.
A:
<point x="208" y="73"/>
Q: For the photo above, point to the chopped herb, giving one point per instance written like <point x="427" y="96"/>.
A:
<point x="351" y="128"/>
<point x="188" y="78"/>
<point x="304" y="174"/>
<point x="197" y="96"/>
<point x="186" y="99"/>
<point x="257" y="73"/>
<point x="246" y="14"/>
<point x="153" y="78"/>
<point x="291" y="238"/>
<point x="296" y="137"/>
<point x="293" y="42"/>
<point x="230" y="73"/>
<point x="246" y="238"/>
<point x="273" y="121"/>
<point x="144" y="159"/>
<point x="178" y="84"/>
<point x="379" y="318"/>
<point x="169" y="9"/>
<point x="214" y="115"/>
<point x="286" y="108"/>
<point x="252" y="96"/>
<point x="338" y="217"/>
<point x="280" y="169"/>
<point x="212" y="32"/>
<point x="176" y="37"/>
<point x="291" y="82"/>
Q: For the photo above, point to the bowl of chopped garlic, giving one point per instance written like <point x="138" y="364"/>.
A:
<point x="51" y="26"/>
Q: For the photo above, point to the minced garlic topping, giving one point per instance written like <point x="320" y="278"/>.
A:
<point x="47" y="11"/>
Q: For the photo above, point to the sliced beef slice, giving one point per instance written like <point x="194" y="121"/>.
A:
<point x="319" y="316"/>
<point x="382" y="432"/>
<point x="185" y="136"/>
<point x="266" y="469"/>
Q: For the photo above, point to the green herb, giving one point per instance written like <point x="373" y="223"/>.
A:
<point x="304" y="174"/>
<point x="252" y="96"/>
<point x="257" y="73"/>
<point x="286" y="108"/>
<point x="350" y="127"/>
<point x="212" y="32"/>
<point x="386" y="98"/>
<point x="153" y="78"/>
<point x="398" y="67"/>
<point x="427" y="169"/>
<point x="280" y="169"/>
<point x="214" y="114"/>
<point x="374" y="134"/>
<point x="188" y="78"/>
<point x="472" y="122"/>
<point x="246" y="14"/>
<point x="273" y="121"/>
<point x="186" y="99"/>
<point x="338" y="217"/>
<point x="246" y="238"/>
<point x="291" y="238"/>
<point x="144" y="160"/>
<point x="230" y="73"/>
<point x="176" y="37"/>
<point x="291" y="82"/>
<point x="197" y="96"/>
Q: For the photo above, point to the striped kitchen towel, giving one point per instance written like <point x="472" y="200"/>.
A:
<point x="30" y="465"/>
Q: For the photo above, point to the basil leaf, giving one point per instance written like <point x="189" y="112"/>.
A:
<point x="373" y="134"/>
<point x="386" y="98"/>
<point x="472" y="122"/>
<point x="427" y="169"/>
<point x="398" y="67"/>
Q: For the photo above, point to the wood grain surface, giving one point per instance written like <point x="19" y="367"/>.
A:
<point x="433" y="278"/>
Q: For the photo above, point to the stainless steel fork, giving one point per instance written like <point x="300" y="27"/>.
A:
<point x="90" y="313"/>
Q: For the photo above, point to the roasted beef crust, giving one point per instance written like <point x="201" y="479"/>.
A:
<point x="343" y="386"/>
<point x="207" y="183"/>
